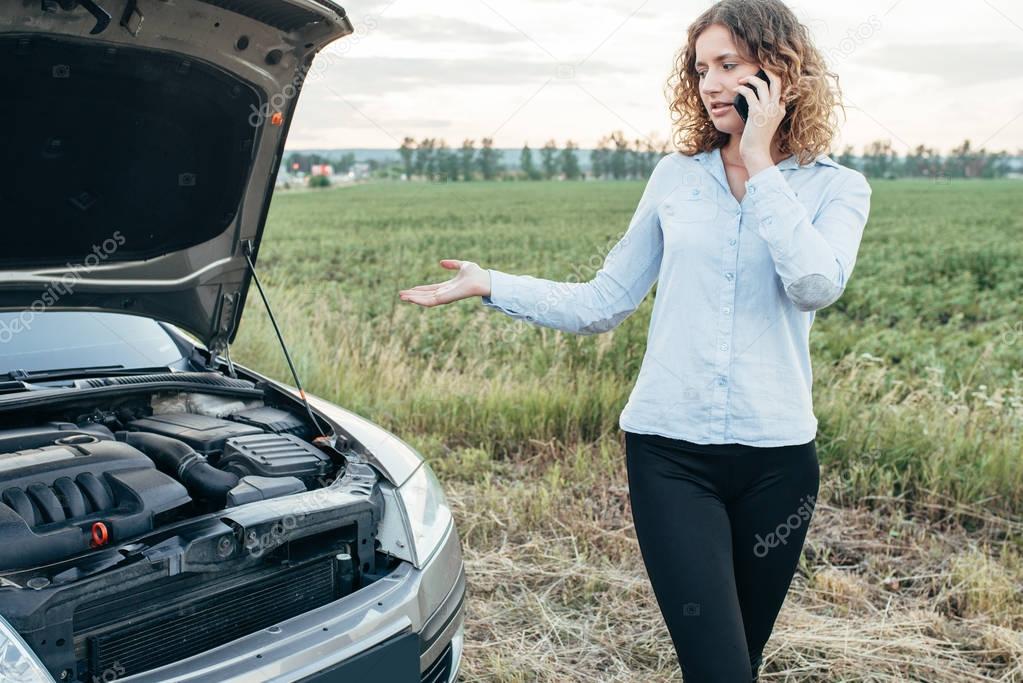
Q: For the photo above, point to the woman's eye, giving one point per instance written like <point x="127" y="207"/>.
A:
<point x="701" y="74"/>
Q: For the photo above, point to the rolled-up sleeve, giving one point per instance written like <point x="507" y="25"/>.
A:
<point x="628" y="273"/>
<point x="813" y="259"/>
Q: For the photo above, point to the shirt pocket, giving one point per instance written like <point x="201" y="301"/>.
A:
<point x="693" y="200"/>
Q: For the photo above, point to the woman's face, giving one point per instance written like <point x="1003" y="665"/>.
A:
<point x="720" y="67"/>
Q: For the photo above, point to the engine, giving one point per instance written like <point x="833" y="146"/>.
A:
<point x="78" y="492"/>
<point x="154" y="526"/>
<point x="69" y="487"/>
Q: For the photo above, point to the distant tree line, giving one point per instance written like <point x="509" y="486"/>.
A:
<point x="432" y="159"/>
<point x="880" y="160"/>
<point x="617" y="158"/>
<point x="614" y="158"/>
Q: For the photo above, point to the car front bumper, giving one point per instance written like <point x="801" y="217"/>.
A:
<point x="388" y="628"/>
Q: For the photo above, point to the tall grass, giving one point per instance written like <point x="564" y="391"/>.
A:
<point x="918" y="379"/>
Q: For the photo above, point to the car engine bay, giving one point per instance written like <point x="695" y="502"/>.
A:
<point x="156" y="525"/>
<point x="67" y="487"/>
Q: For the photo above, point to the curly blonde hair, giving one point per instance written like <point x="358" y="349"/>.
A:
<point x="765" y="32"/>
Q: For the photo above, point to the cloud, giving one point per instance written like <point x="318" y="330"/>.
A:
<point x="433" y="29"/>
<point x="381" y="75"/>
<point x="955" y="65"/>
<point x="330" y="114"/>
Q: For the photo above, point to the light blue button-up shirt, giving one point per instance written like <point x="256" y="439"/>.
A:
<point x="727" y="357"/>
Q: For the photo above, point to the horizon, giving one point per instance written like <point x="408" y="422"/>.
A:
<point x="313" y="150"/>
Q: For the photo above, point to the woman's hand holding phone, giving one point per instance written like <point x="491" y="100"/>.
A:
<point x="740" y="103"/>
<point x="765" y="111"/>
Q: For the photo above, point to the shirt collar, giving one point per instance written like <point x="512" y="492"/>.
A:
<point x="788" y="163"/>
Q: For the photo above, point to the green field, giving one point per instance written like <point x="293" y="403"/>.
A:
<point x="913" y="566"/>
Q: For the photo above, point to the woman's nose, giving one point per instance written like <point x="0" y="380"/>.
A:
<point x="712" y="94"/>
<point x="710" y="87"/>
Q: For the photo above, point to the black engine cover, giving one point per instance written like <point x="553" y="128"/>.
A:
<point x="51" y="498"/>
<point x="274" y="455"/>
<point x="203" y="433"/>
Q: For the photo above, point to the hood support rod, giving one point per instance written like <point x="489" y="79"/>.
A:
<point x="247" y="247"/>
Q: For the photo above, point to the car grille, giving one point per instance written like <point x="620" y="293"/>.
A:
<point x="440" y="670"/>
<point x="194" y="627"/>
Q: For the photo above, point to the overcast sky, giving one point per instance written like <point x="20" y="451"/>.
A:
<point x="930" y="72"/>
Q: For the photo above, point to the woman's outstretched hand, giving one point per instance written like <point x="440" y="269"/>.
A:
<point x="471" y="280"/>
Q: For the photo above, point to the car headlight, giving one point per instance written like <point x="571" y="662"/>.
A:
<point x="427" y="512"/>
<point x="18" y="664"/>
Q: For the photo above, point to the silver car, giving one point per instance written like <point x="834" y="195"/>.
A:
<point x="167" y="514"/>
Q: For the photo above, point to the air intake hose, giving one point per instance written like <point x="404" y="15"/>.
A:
<point x="180" y="461"/>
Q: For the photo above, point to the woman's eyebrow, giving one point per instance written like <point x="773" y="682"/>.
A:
<point x="719" y="58"/>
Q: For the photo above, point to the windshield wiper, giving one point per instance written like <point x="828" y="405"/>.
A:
<point x="81" y="373"/>
<point x="12" y="387"/>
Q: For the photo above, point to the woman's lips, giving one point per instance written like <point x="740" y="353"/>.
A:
<point x="721" y="110"/>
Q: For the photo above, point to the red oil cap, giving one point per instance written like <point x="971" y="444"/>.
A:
<point x="100" y="534"/>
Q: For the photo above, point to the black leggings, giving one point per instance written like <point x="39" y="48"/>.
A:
<point x="721" y="528"/>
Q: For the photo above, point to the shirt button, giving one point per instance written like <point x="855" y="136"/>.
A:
<point x="729" y="276"/>
<point x="768" y="220"/>
<point x="724" y="347"/>
<point x="753" y="189"/>
<point x="722" y="381"/>
<point x="731" y="242"/>
<point x="726" y="309"/>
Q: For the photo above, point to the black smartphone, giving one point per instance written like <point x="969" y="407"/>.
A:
<point x="741" y="105"/>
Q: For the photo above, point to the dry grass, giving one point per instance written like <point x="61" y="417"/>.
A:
<point x="558" y="592"/>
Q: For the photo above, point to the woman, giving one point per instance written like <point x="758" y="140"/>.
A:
<point x="748" y="229"/>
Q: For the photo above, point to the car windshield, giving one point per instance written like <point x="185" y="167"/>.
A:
<point x="57" y="340"/>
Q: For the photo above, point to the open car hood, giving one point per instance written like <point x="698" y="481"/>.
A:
<point x="141" y="152"/>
